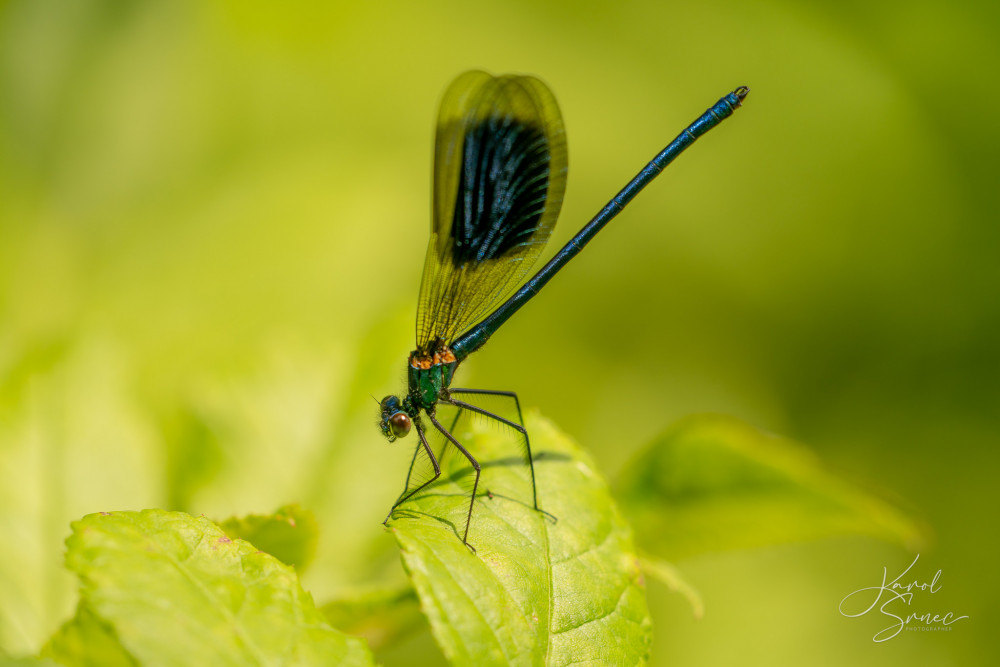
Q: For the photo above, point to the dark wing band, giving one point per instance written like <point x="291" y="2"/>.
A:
<point x="499" y="179"/>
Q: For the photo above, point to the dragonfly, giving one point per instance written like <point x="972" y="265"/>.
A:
<point x="500" y="165"/>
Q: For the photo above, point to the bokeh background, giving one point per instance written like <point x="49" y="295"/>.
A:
<point x="212" y="222"/>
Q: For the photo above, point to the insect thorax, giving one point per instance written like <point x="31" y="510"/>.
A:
<point x="429" y="374"/>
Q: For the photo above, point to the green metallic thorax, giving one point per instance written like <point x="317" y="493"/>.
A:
<point x="429" y="376"/>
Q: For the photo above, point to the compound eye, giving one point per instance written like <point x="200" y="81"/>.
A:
<point x="399" y="424"/>
<point x="389" y="403"/>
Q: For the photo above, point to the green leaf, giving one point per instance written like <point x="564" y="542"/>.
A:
<point x="87" y="641"/>
<point x="382" y="617"/>
<point x="173" y="587"/>
<point x="59" y="431"/>
<point x="290" y="534"/>
<point x="536" y="591"/>
<point x="712" y="483"/>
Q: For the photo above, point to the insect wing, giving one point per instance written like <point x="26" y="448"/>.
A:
<point x="499" y="178"/>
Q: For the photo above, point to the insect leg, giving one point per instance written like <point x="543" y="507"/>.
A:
<point x="451" y="429"/>
<point x="475" y="464"/>
<point x="437" y="468"/>
<point x="519" y="427"/>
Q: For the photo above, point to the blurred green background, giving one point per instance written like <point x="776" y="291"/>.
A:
<point x="212" y="222"/>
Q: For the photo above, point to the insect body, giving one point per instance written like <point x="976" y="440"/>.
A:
<point x="499" y="178"/>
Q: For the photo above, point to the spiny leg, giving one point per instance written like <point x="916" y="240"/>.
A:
<point x="451" y="429"/>
<point x="413" y="462"/>
<point x="475" y="464"/>
<point x="437" y="469"/>
<point x="519" y="427"/>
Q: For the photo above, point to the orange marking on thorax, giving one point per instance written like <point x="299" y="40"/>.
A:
<point x="442" y="355"/>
